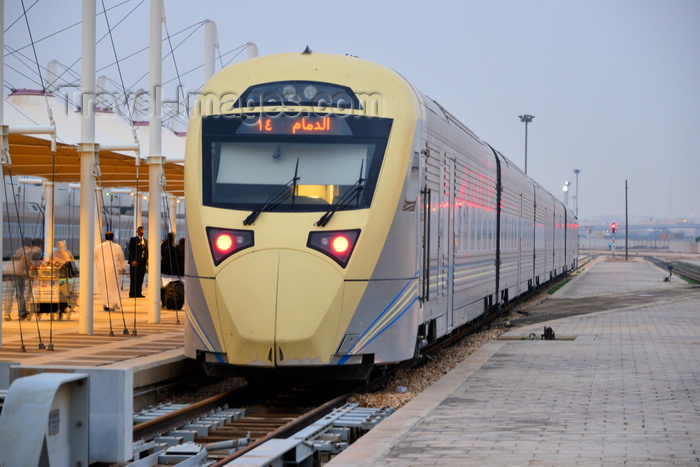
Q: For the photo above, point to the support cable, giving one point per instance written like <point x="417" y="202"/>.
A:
<point x="53" y="149"/>
<point x="23" y="256"/>
<point x="105" y="284"/>
<point x="177" y="71"/>
<point x="98" y="41"/>
<point x="53" y="183"/>
<point x="114" y="49"/>
<point x="56" y="32"/>
<point x="133" y="131"/>
<point x="121" y="79"/>
<point x="109" y="310"/>
<point x="16" y="277"/>
<point x="201" y="24"/>
<point x="20" y="17"/>
<point x="242" y="48"/>
<point x="147" y="47"/>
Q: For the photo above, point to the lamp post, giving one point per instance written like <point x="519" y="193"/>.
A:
<point x="526" y="119"/>
<point x="577" y="171"/>
<point x="565" y="189"/>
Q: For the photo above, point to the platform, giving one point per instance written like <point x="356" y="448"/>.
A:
<point x="618" y="387"/>
<point x="155" y="352"/>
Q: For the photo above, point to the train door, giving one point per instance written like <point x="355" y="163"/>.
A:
<point x="430" y="221"/>
<point x="447" y="238"/>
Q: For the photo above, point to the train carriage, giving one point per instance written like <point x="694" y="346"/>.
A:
<point x="339" y="220"/>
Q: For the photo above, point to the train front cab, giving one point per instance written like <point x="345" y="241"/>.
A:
<point x="277" y="292"/>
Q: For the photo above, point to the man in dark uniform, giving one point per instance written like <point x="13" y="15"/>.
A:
<point x="138" y="258"/>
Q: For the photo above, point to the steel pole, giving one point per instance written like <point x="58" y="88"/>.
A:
<point x="155" y="164"/>
<point x="526" y="122"/>
<point x="577" y="171"/>
<point x="87" y="179"/>
<point x="627" y="236"/>
<point x="210" y="44"/>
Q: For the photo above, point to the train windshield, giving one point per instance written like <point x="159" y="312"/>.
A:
<point x="297" y="164"/>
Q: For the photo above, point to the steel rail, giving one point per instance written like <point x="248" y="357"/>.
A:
<point x="290" y="428"/>
<point x="172" y="420"/>
<point x="678" y="269"/>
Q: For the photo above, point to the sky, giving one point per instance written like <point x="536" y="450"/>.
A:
<point x="614" y="85"/>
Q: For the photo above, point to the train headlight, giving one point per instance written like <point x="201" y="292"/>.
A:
<point x="225" y="242"/>
<point x="336" y="244"/>
<point x="340" y="244"/>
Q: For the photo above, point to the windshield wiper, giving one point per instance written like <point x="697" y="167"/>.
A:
<point x="353" y="192"/>
<point x="276" y="198"/>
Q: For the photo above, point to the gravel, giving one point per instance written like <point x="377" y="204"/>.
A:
<point x="407" y="384"/>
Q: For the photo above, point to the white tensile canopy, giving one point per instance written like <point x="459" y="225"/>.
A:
<point x="31" y="154"/>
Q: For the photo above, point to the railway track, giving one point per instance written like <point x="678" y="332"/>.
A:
<point x="234" y="433"/>
<point x="212" y="432"/>
<point x="679" y="268"/>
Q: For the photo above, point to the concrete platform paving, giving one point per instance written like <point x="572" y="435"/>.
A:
<point x="624" y="389"/>
<point x="155" y="353"/>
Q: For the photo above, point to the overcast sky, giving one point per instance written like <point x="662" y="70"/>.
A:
<point x="614" y="85"/>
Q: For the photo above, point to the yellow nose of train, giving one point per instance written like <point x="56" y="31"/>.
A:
<point x="280" y="308"/>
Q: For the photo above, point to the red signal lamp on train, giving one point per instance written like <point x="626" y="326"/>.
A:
<point x="337" y="244"/>
<point x="225" y="242"/>
<point x="340" y="244"/>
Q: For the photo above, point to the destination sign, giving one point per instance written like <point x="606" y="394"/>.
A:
<point x="305" y="125"/>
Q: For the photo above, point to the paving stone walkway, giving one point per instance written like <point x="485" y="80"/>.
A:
<point x="624" y="390"/>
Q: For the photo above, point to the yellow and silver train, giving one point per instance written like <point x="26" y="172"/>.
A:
<point x="339" y="220"/>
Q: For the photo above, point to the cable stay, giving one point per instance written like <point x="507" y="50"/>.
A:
<point x="105" y="275"/>
<point x="177" y="71"/>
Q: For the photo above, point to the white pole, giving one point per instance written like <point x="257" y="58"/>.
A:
<point x="172" y="206"/>
<point x="211" y="42"/>
<point x="251" y="50"/>
<point x="52" y="76"/>
<point x="155" y="163"/>
<point x="87" y="180"/>
<point x="48" y="219"/>
<point x="102" y="102"/>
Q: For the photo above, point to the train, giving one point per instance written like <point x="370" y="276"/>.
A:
<point x="340" y="221"/>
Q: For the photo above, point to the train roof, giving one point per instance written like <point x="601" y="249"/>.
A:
<point x="394" y="96"/>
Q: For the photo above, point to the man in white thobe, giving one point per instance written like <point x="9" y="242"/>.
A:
<point x="109" y="264"/>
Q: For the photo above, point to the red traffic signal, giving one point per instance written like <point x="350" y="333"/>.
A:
<point x="613" y="226"/>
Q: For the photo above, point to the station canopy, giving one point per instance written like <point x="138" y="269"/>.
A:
<point x="31" y="154"/>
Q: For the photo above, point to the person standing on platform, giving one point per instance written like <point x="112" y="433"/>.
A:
<point x="138" y="258"/>
<point x="16" y="276"/>
<point x="109" y="264"/>
<point x="60" y="255"/>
